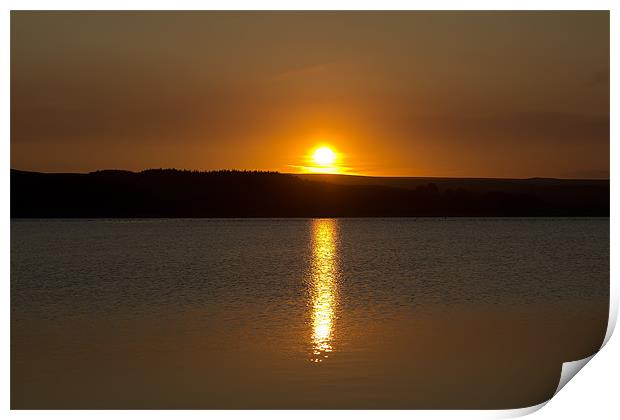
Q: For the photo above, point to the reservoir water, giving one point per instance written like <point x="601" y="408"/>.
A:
<point x="302" y="313"/>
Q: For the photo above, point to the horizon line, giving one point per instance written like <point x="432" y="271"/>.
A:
<point x="314" y="174"/>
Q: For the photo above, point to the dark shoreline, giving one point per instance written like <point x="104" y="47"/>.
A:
<point x="251" y="194"/>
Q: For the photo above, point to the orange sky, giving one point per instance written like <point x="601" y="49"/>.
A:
<point x="514" y="94"/>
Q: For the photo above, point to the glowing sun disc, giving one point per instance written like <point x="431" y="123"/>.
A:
<point x="324" y="156"/>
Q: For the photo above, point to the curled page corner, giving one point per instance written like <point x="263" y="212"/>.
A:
<point x="613" y="314"/>
<point x="520" y="412"/>
<point x="570" y="369"/>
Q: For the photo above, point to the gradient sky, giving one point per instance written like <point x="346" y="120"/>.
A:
<point x="488" y="94"/>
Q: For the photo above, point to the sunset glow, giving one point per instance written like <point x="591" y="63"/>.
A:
<point x="373" y="94"/>
<point x="324" y="156"/>
<point x="323" y="160"/>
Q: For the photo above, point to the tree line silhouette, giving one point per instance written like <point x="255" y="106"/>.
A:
<point x="228" y="193"/>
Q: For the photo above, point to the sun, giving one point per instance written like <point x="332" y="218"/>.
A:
<point x="324" y="156"/>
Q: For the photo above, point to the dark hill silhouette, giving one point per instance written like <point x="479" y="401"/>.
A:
<point x="179" y="193"/>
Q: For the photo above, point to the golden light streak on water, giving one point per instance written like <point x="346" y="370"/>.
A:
<point x="323" y="287"/>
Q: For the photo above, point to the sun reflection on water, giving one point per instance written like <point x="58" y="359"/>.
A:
<point x="323" y="284"/>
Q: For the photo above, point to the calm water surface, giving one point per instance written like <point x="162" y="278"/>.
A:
<point x="299" y="313"/>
